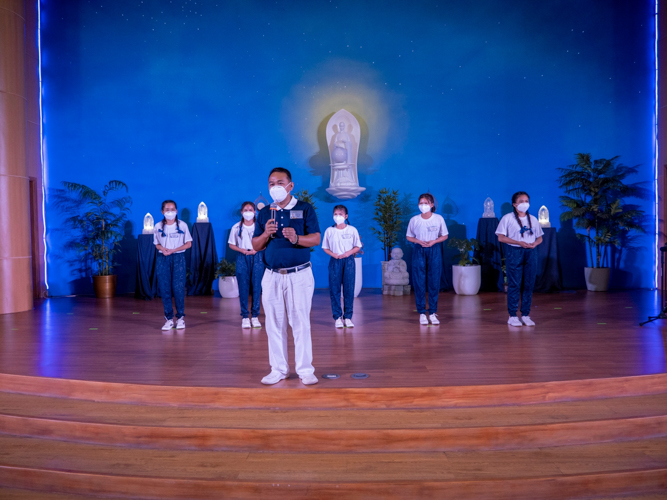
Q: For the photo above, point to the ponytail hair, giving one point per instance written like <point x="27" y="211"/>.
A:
<point x="430" y="198"/>
<point x="515" y="197"/>
<point x="343" y="208"/>
<point x="243" y="205"/>
<point x="164" y="219"/>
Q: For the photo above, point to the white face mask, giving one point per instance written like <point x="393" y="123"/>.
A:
<point x="523" y="207"/>
<point x="278" y="193"/>
<point x="424" y="208"/>
<point x="170" y="215"/>
<point x="339" y="219"/>
<point x="248" y="215"/>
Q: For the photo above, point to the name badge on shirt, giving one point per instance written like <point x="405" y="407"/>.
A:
<point x="346" y="236"/>
<point x="296" y="214"/>
<point x="433" y="228"/>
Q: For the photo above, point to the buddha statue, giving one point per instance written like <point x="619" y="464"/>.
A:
<point x="396" y="278"/>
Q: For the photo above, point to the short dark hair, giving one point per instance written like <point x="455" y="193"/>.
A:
<point x="281" y="170"/>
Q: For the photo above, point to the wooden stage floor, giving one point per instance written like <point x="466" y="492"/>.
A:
<point x="578" y="335"/>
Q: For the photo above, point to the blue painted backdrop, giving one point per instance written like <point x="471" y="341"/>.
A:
<point x="199" y="100"/>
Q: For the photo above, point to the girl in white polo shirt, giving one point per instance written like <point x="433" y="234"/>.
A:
<point x="522" y="233"/>
<point x="425" y="231"/>
<point x="341" y="242"/>
<point x="249" y="264"/>
<point x="172" y="238"/>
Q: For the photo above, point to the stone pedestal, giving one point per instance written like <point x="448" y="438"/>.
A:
<point x="396" y="290"/>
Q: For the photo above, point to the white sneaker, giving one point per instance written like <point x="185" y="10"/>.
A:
<point x="245" y="323"/>
<point x="513" y="321"/>
<point x="309" y="380"/>
<point x="273" y="378"/>
<point x="168" y="325"/>
<point x="348" y="323"/>
<point x="255" y="323"/>
<point x="339" y="323"/>
<point x="180" y="324"/>
<point x="527" y="321"/>
<point x="434" y="319"/>
<point x="423" y="320"/>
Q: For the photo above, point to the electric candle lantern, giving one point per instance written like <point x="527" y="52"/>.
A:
<point x="543" y="217"/>
<point x="202" y="213"/>
<point x="489" y="210"/>
<point x="149" y="224"/>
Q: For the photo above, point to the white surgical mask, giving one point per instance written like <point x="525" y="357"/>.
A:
<point x="523" y="207"/>
<point x="248" y="215"/>
<point x="170" y="215"/>
<point x="424" y="208"/>
<point x="339" y="219"/>
<point x="278" y="193"/>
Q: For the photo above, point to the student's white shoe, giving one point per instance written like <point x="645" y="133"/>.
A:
<point x="245" y="323"/>
<point x="513" y="321"/>
<point x="527" y="321"/>
<point x="273" y="378"/>
<point x="180" y="324"/>
<point x="309" y="380"/>
<point x="339" y="323"/>
<point x="423" y="320"/>
<point x="168" y="325"/>
<point x="434" y="319"/>
<point x="348" y="323"/>
<point x="256" y="323"/>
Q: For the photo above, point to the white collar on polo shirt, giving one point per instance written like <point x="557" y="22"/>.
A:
<point x="290" y="205"/>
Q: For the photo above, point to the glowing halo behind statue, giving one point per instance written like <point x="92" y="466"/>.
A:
<point x="343" y="136"/>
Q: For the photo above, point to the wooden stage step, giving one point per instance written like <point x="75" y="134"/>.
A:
<point x="496" y="428"/>
<point x="558" y="440"/>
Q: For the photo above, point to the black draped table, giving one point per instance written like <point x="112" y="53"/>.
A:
<point x="548" y="270"/>
<point x="203" y="259"/>
<point x="146" y="287"/>
<point x="489" y="254"/>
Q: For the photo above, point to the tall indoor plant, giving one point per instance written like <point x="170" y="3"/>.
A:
<point x="388" y="217"/>
<point x="98" y="221"/>
<point x="595" y="192"/>
<point x="466" y="276"/>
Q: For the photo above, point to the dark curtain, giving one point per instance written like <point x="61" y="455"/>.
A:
<point x="146" y="285"/>
<point x="203" y="259"/>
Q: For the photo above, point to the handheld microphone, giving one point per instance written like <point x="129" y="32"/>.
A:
<point x="273" y="208"/>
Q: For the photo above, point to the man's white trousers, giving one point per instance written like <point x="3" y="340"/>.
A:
<point x="288" y="298"/>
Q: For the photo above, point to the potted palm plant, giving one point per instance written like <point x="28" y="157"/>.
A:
<point x="388" y="217"/>
<point x="98" y="221"/>
<point x="595" y="192"/>
<point x="467" y="276"/>
<point x="227" y="283"/>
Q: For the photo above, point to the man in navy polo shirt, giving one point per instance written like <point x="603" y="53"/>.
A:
<point x="287" y="230"/>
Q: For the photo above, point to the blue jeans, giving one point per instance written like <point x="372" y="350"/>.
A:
<point x="171" y="281"/>
<point x="520" y="265"/>
<point x="342" y="272"/>
<point x="426" y="275"/>
<point x="249" y="273"/>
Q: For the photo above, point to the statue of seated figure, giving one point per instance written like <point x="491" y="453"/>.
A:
<point x="396" y="277"/>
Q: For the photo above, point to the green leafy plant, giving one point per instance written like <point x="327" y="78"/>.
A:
<point x="98" y="221"/>
<point x="595" y="190"/>
<point x="304" y="195"/>
<point x="225" y="269"/>
<point x="466" y="248"/>
<point x="388" y="217"/>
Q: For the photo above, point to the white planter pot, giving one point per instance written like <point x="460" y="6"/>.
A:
<point x="358" y="276"/>
<point x="467" y="279"/>
<point x="597" y="278"/>
<point x="229" y="287"/>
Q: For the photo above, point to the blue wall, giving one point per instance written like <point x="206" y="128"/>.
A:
<point x="466" y="100"/>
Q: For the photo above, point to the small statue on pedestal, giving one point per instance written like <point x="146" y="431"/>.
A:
<point x="396" y="277"/>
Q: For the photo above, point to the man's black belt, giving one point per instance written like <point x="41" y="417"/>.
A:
<point x="289" y="270"/>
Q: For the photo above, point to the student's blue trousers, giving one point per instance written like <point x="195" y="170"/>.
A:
<point x="520" y="265"/>
<point x="426" y="275"/>
<point x="171" y="282"/>
<point x="249" y="274"/>
<point x="342" y="273"/>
